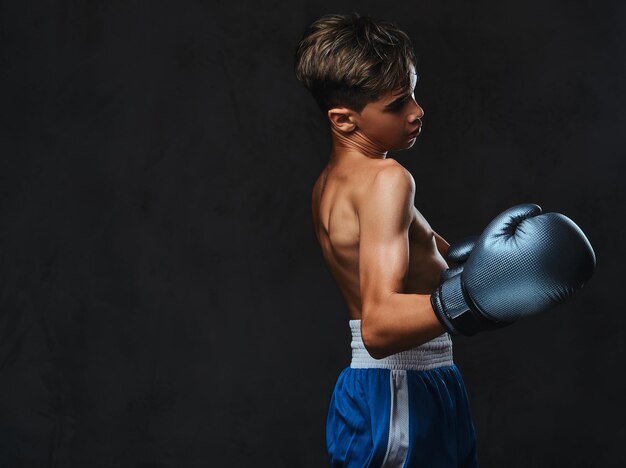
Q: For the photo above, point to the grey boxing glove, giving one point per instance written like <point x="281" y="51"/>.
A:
<point x="458" y="252"/>
<point x="522" y="264"/>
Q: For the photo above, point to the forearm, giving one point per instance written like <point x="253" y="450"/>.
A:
<point x="401" y="322"/>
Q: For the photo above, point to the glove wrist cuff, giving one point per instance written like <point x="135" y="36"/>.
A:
<point x="448" y="303"/>
<point x="455" y="312"/>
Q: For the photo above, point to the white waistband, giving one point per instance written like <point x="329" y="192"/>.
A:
<point x="434" y="353"/>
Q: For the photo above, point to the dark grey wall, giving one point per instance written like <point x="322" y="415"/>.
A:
<point x="163" y="301"/>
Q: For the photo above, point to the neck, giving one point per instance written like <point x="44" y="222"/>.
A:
<point x="354" y="145"/>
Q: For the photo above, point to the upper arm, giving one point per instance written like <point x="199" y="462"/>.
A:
<point x="384" y="219"/>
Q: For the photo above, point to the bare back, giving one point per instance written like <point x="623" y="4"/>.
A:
<point x="337" y="195"/>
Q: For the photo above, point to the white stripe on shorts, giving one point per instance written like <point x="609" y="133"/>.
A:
<point x="398" y="441"/>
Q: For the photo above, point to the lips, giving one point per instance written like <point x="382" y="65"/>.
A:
<point x="416" y="132"/>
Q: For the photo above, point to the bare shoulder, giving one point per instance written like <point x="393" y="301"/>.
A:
<point x="392" y="172"/>
<point x="390" y="178"/>
<point x="387" y="201"/>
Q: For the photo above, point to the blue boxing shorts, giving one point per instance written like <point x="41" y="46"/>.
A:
<point x="409" y="409"/>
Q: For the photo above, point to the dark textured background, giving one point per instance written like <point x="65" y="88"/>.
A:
<point x="163" y="300"/>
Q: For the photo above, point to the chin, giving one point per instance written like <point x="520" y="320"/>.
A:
<point x="408" y="145"/>
<point x="402" y="145"/>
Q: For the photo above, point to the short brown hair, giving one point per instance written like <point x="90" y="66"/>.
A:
<point x="349" y="60"/>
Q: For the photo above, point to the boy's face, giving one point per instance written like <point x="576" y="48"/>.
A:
<point x="391" y="123"/>
<point x="393" y="120"/>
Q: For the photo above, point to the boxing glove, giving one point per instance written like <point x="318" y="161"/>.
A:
<point x="522" y="264"/>
<point x="458" y="252"/>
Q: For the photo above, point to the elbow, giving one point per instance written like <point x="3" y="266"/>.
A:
<point x="374" y="341"/>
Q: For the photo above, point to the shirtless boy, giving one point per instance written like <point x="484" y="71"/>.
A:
<point x="402" y="401"/>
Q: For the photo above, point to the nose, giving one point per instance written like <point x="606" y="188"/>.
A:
<point x="418" y="113"/>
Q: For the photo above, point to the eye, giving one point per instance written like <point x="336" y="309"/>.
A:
<point x="400" y="104"/>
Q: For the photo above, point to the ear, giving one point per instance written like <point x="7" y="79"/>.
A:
<point x="343" y="119"/>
